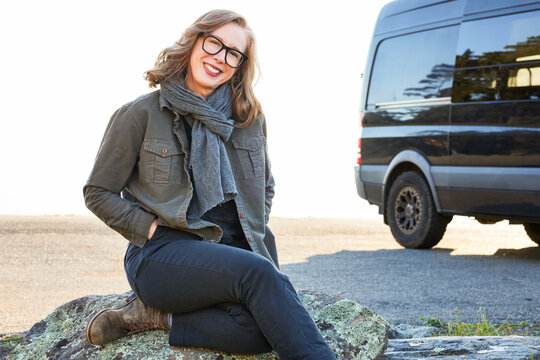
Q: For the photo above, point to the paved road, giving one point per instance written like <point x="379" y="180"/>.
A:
<point x="47" y="261"/>
<point x="403" y="285"/>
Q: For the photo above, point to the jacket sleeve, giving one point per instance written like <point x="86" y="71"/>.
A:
<point x="269" y="185"/>
<point x="114" y="164"/>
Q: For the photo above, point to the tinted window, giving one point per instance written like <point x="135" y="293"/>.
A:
<point x="414" y="66"/>
<point x="481" y="84"/>
<point x="499" y="59"/>
<point x="507" y="82"/>
<point x="521" y="82"/>
<point x="499" y="40"/>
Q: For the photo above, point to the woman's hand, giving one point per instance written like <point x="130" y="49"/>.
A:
<point x="152" y="229"/>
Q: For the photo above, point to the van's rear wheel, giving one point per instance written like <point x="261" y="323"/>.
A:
<point x="411" y="213"/>
<point x="533" y="230"/>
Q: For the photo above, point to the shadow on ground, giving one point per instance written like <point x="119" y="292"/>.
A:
<point x="404" y="285"/>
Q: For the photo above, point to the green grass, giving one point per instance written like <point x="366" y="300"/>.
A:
<point x="481" y="328"/>
<point x="9" y="342"/>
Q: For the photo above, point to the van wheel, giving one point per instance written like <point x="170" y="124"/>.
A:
<point x="533" y="230"/>
<point x="411" y="213"/>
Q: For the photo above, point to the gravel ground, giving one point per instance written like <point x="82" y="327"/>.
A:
<point x="47" y="261"/>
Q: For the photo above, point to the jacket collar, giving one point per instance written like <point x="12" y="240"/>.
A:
<point x="163" y="103"/>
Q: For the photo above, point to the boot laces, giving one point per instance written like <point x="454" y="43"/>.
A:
<point x="148" y="318"/>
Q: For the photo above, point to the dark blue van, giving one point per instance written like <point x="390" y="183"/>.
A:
<point x="450" y="116"/>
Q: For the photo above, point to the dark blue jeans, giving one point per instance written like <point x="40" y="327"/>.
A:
<point x="222" y="297"/>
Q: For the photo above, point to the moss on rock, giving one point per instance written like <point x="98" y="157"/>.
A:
<point x="352" y="330"/>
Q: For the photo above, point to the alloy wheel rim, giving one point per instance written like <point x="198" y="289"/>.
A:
<point x="408" y="210"/>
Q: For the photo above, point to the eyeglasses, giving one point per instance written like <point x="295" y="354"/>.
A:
<point x="212" y="45"/>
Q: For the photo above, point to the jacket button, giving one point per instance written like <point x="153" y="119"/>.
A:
<point x="250" y="238"/>
<point x="242" y="215"/>
<point x="164" y="150"/>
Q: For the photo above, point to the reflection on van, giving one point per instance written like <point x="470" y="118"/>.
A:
<point x="524" y="77"/>
<point x="451" y="116"/>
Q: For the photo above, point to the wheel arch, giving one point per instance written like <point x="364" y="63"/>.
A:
<point x="408" y="160"/>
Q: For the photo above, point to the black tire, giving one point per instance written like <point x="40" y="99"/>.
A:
<point x="533" y="230"/>
<point x="411" y="213"/>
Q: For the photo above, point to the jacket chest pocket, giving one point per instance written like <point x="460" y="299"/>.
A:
<point x="163" y="162"/>
<point x="250" y="151"/>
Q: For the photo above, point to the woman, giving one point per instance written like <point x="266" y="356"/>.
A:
<point x="183" y="174"/>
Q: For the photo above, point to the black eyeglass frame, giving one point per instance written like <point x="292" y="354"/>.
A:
<point x="227" y="49"/>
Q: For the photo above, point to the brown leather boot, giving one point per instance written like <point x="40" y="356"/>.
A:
<point x="130" y="318"/>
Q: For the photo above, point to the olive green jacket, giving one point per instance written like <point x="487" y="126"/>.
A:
<point x="141" y="173"/>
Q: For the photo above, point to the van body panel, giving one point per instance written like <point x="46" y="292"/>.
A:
<point x="369" y="180"/>
<point x="518" y="206"/>
<point x="374" y="193"/>
<point x="499" y="146"/>
<point x="398" y="15"/>
<point x="360" y="187"/>
<point x="374" y="174"/>
<point x="475" y="7"/>
<point x="483" y="177"/>
<point x="513" y="192"/>
<point x="381" y="144"/>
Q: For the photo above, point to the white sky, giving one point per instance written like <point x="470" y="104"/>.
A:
<point x="67" y="65"/>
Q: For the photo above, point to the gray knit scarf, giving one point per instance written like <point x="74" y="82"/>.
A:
<point x="212" y="174"/>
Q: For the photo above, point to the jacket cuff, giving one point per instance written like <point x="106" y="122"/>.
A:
<point x="141" y="227"/>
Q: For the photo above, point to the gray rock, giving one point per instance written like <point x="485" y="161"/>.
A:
<point x="353" y="331"/>
<point x="470" y="348"/>
<point x="406" y="331"/>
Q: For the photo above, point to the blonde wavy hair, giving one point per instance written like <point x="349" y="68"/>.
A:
<point x="173" y="62"/>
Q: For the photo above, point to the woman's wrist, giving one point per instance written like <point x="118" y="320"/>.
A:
<point x="152" y="229"/>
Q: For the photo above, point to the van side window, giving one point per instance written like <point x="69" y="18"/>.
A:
<point x="499" y="59"/>
<point x="424" y="73"/>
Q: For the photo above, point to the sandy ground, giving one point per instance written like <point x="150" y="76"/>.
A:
<point x="50" y="260"/>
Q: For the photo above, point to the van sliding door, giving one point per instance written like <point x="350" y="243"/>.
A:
<point x="495" y="117"/>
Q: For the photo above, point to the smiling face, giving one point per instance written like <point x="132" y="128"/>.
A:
<point x="207" y="72"/>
